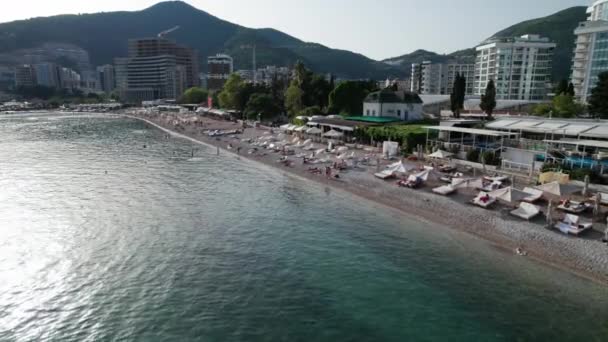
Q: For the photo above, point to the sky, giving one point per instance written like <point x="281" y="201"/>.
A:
<point x="378" y="29"/>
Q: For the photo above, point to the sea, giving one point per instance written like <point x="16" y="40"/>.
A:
<point x="112" y="231"/>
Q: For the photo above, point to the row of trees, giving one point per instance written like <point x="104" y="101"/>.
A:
<point x="306" y="94"/>
<point x="563" y="105"/>
<point x="488" y="99"/>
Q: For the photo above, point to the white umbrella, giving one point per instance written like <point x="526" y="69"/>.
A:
<point x="333" y="134"/>
<point x="549" y="213"/>
<point x="439" y="154"/>
<point x="314" y="130"/>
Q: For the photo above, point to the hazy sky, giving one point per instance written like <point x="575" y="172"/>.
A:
<point x="378" y="29"/>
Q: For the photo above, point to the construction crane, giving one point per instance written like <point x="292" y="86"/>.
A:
<point x="164" y="33"/>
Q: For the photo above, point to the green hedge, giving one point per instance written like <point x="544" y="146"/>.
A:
<point x="407" y="135"/>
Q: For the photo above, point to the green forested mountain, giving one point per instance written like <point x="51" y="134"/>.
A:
<point x="559" y="27"/>
<point x="105" y="35"/>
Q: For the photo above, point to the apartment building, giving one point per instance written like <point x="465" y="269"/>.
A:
<point x="591" y="50"/>
<point x="520" y="67"/>
<point x="219" y="68"/>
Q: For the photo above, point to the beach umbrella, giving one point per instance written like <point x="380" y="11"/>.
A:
<point x="439" y="154"/>
<point x="549" y="214"/>
<point x="333" y="134"/>
<point x="586" y="187"/>
<point x="314" y="130"/>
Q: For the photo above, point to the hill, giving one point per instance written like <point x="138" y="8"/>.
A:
<point x="559" y="27"/>
<point x="104" y="36"/>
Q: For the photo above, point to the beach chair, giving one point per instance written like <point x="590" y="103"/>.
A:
<point x="483" y="200"/>
<point x="526" y="211"/>
<point x="385" y="174"/>
<point x="573" y="207"/>
<point x="573" y="225"/>
<point x="495" y="185"/>
<point x="534" y="195"/>
<point x="445" y="190"/>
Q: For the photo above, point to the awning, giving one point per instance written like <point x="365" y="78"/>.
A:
<point x="300" y="129"/>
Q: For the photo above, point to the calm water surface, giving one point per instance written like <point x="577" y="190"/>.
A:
<point x="166" y="247"/>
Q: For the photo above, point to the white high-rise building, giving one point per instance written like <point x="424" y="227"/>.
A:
<point x="438" y="78"/>
<point x="520" y="67"/>
<point x="591" y="51"/>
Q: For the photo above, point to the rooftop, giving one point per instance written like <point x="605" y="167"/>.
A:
<point x="473" y="131"/>
<point x="389" y="96"/>
<point x="373" y="119"/>
<point x="573" y="127"/>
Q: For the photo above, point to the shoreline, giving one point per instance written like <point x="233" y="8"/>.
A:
<point x="423" y="206"/>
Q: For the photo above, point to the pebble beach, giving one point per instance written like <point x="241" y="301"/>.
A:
<point x="585" y="256"/>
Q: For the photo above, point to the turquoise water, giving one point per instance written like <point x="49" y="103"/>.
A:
<point x="166" y="247"/>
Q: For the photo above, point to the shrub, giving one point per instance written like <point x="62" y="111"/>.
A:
<point x="473" y="156"/>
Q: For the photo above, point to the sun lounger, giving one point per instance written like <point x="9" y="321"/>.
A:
<point x="526" y="211"/>
<point x="444" y="190"/>
<point x="492" y="186"/>
<point x="496" y="179"/>
<point x="573" y="207"/>
<point x="385" y="174"/>
<point x="603" y="198"/>
<point x="534" y="195"/>
<point x="572" y="225"/>
<point x="484" y="200"/>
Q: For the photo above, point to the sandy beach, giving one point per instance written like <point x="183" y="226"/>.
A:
<point x="585" y="256"/>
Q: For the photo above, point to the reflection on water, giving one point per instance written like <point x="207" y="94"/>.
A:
<point x="102" y="239"/>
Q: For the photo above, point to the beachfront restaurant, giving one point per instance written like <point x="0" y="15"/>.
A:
<point x="582" y="154"/>
<point x="574" y="143"/>
<point x="461" y="140"/>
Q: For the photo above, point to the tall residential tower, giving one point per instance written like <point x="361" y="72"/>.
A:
<point x="520" y="67"/>
<point x="591" y="51"/>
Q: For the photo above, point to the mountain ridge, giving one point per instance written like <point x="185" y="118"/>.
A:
<point x="104" y="36"/>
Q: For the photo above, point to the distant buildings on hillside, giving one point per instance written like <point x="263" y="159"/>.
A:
<point x="266" y="75"/>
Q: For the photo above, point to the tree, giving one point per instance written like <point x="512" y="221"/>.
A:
<point x="194" y="95"/>
<point x="564" y="106"/>
<point x="230" y="97"/>
<point x="317" y="93"/>
<point x="488" y="100"/>
<point x="310" y="111"/>
<point x="293" y="99"/>
<point x="458" y="95"/>
<point x="542" y="109"/>
<point x="562" y="87"/>
<point x="348" y="96"/>
<point x="598" y="101"/>
<point x="262" y="104"/>
<point x="570" y="90"/>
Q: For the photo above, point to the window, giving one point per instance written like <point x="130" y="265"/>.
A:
<point x="374" y="112"/>
<point x="399" y="112"/>
<point x="367" y="112"/>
